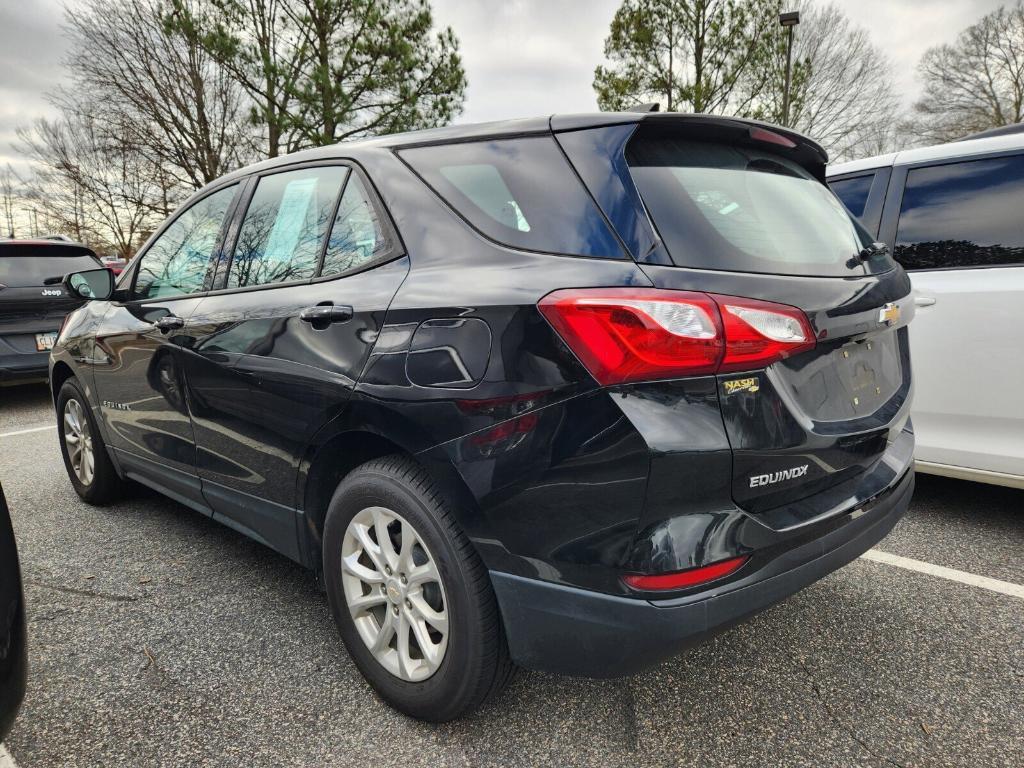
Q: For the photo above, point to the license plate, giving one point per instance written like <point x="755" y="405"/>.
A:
<point x="45" y="341"/>
<point x="860" y="361"/>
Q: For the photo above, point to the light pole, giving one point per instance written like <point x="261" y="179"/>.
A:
<point x="788" y="20"/>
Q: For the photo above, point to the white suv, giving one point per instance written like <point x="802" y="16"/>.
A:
<point x="954" y="216"/>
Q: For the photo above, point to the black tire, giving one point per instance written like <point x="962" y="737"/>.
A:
<point x="105" y="486"/>
<point x="476" y="664"/>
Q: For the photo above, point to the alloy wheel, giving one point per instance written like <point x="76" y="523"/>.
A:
<point x="78" y="439"/>
<point x="394" y="594"/>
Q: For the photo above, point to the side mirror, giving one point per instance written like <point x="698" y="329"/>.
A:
<point x="92" y="284"/>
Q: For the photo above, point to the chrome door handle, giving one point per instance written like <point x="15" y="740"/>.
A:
<point x="923" y="301"/>
<point x="169" y="323"/>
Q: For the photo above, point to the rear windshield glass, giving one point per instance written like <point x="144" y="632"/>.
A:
<point x="743" y="209"/>
<point x="24" y="271"/>
<point x="518" y="192"/>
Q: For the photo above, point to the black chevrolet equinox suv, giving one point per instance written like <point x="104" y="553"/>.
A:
<point x="570" y="393"/>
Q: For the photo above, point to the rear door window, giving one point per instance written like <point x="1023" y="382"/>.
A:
<point x="518" y="192"/>
<point x="963" y="215"/>
<point x="29" y="266"/>
<point x="283" y="232"/>
<point x="853" y="192"/>
<point x="744" y="209"/>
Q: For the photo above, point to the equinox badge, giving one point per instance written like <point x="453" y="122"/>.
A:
<point x="777" y="477"/>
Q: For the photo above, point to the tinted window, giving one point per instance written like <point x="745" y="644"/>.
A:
<point x="356" y="237"/>
<point x="520" y="192"/>
<point x="853" y="192"/>
<point x="968" y="214"/>
<point x="283" y="232"/>
<point x="739" y="208"/>
<point x="24" y="270"/>
<point x="175" y="265"/>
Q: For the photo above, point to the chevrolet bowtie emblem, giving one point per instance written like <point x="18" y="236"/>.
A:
<point x="889" y="314"/>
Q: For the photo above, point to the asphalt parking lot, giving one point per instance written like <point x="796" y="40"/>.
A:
<point x="158" y="637"/>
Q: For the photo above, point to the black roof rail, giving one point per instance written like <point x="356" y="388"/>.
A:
<point x="1002" y="130"/>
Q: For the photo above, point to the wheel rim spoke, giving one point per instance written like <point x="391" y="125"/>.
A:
<point x="352" y="565"/>
<point x="422" y="574"/>
<point x="406" y="664"/>
<point x="427" y="646"/>
<point x="384" y="634"/>
<point x="380" y="523"/>
<point x="394" y="593"/>
<point x="372" y="550"/>
<point x="422" y="610"/>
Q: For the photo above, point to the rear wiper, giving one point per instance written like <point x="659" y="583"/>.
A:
<point x="869" y="251"/>
<point x="866" y="253"/>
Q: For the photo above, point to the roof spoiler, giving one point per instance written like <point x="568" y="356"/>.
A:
<point x="805" y="152"/>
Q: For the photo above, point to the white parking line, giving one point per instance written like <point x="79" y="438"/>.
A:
<point x="6" y="761"/>
<point x="26" y="431"/>
<point x="993" y="585"/>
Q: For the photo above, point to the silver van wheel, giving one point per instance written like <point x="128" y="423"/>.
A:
<point x="394" y="593"/>
<point x="78" y="440"/>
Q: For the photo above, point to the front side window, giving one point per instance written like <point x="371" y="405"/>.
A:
<point x="745" y="209"/>
<point x="518" y="192"/>
<point x="283" y="232"/>
<point x="175" y="265"/>
<point x="853" y="192"/>
<point x="966" y="214"/>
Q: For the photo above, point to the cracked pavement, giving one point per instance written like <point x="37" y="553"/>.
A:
<point x="158" y="637"/>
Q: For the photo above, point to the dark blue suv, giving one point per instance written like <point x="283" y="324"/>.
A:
<point x="571" y="393"/>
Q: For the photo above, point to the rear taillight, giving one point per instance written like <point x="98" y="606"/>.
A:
<point x="691" y="577"/>
<point x="641" y="334"/>
<point x="759" y="333"/>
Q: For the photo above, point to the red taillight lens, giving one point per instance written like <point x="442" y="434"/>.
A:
<point x="629" y="334"/>
<point x="641" y="334"/>
<point x="759" y="333"/>
<point x="688" y="578"/>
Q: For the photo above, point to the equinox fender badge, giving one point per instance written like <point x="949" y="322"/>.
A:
<point x="778" y="477"/>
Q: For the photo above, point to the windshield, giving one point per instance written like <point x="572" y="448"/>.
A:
<point x="30" y="271"/>
<point x="739" y="208"/>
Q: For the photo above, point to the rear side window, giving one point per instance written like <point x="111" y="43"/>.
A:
<point x="518" y="192"/>
<point x="283" y="232"/>
<point x="25" y="270"/>
<point x="968" y="214"/>
<point x="357" y="237"/>
<point x="744" y="209"/>
<point x="853" y="192"/>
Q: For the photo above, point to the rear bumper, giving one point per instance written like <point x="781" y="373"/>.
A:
<point x="571" y="631"/>
<point x="24" y="366"/>
<point x="19" y="360"/>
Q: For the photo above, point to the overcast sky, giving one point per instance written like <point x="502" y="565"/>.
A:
<point x="522" y="57"/>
